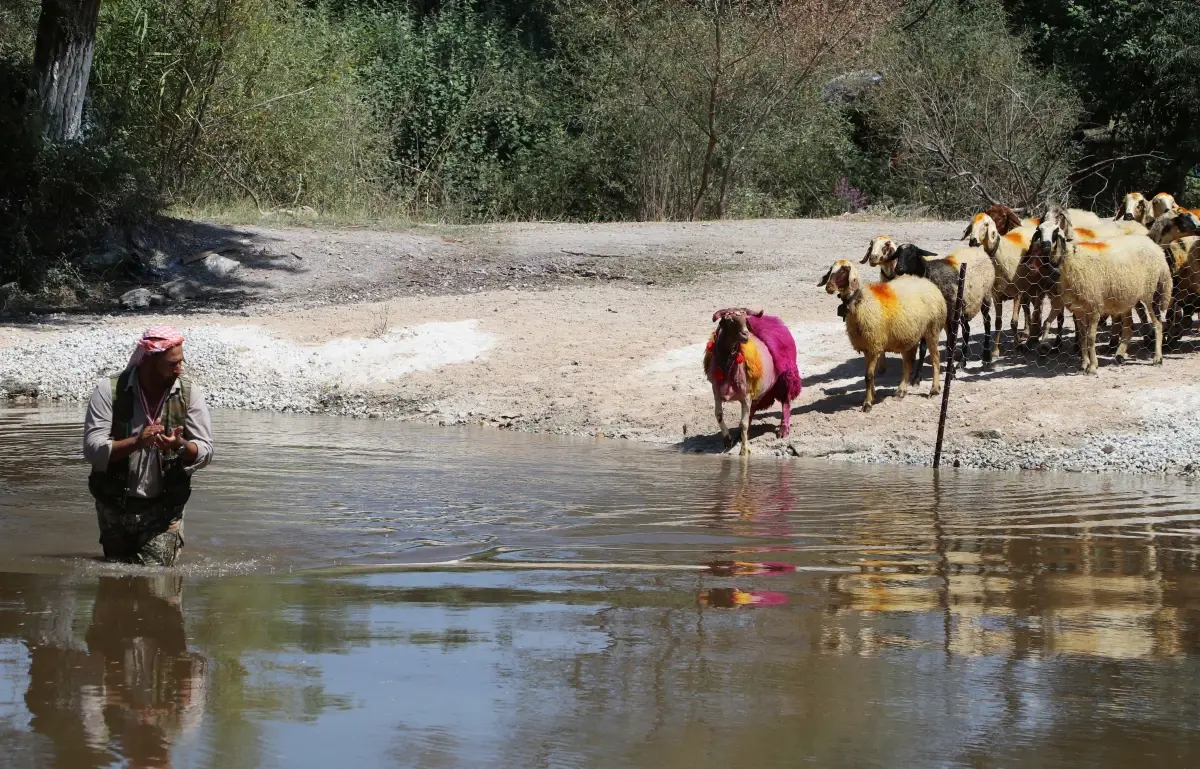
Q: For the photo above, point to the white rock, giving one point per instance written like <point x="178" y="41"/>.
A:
<point x="220" y="266"/>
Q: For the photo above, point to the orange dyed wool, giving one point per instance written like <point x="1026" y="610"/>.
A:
<point x="754" y="366"/>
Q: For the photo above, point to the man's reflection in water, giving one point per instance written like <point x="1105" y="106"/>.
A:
<point x="134" y="692"/>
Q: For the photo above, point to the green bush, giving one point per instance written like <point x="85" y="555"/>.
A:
<point x="229" y="99"/>
<point x="465" y="110"/>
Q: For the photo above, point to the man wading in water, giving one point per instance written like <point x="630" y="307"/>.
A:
<point x="146" y="431"/>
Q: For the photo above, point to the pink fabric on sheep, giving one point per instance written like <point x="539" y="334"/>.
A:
<point x="782" y="346"/>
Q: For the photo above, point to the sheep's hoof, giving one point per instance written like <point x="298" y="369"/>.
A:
<point x="866" y="407"/>
<point x="900" y="394"/>
<point x="1120" y="359"/>
<point x="745" y="452"/>
<point x="935" y="392"/>
<point x="727" y="442"/>
<point x="1158" y="361"/>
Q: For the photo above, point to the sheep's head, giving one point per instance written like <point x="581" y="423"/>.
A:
<point x="842" y="279"/>
<point x="1005" y="218"/>
<point x="910" y="260"/>
<point x="983" y="231"/>
<point x="1162" y="203"/>
<point x="1051" y="236"/>
<point x="1134" y="208"/>
<point x="732" y="327"/>
<point x="881" y="250"/>
<point x="1174" y="225"/>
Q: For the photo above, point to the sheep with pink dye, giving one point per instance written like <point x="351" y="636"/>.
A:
<point x="751" y="359"/>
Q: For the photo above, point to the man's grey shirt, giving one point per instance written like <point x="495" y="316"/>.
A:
<point x="145" y="469"/>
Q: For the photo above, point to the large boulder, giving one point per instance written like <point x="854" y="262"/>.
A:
<point x="137" y="299"/>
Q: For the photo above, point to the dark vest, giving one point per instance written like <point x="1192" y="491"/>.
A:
<point x="112" y="484"/>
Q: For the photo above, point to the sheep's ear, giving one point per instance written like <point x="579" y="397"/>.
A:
<point x="867" y="257"/>
<point x="719" y="314"/>
<point x="923" y="252"/>
<point x="825" y="279"/>
<point x="754" y="313"/>
<point x="967" y="232"/>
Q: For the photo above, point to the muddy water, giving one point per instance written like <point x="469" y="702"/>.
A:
<point x="976" y="620"/>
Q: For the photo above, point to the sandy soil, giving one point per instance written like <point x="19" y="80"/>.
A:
<point x="599" y="330"/>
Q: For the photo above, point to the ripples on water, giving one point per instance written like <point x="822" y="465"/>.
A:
<point x="979" y="620"/>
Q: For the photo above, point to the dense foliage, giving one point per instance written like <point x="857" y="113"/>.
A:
<point x="476" y="110"/>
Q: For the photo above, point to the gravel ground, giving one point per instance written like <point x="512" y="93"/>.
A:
<point x="418" y="326"/>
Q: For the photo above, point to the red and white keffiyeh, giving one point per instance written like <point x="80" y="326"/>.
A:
<point x="155" y="340"/>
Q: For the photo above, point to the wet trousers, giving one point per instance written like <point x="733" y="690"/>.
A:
<point x="147" y="532"/>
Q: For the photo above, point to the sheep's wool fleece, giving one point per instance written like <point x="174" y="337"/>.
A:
<point x="782" y="346"/>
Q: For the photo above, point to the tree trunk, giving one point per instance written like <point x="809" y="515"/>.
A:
<point x="62" y="61"/>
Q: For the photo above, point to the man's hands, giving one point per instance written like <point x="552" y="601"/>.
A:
<point x="164" y="441"/>
<point x="155" y="436"/>
<point x="150" y="435"/>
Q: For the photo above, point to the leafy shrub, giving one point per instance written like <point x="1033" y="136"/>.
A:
<point x="236" y="98"/>
<point x="966" y="119"/>
<point x="464" y="109"/>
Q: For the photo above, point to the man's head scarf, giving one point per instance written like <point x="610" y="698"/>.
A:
<point x="155" y="340"/>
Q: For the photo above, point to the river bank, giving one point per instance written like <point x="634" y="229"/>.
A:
<point x="598" y="330"/>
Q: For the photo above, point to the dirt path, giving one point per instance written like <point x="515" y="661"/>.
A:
<point x="599" y="330"/>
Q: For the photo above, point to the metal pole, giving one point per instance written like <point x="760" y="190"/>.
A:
<point x="951" y="348"/>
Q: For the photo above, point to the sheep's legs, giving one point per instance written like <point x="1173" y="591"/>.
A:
<point x="872" y="359"/>
<point x="986" y="310"/>
<point x="719" y="409"/>
<point x="906" y="358"/>
<point x="998" y="301"/>
<point x="1056" y="313"/>
<point x="935" y="360"/>
<point x="785" y="426"/>
<point x="1158" y="337"/>
<point x="745" y="400"/>
<point x="915" y="379"/>
<point x="1126" y="335"/>
<point x="1088" y="325"/>
<point x="965" y="330"/>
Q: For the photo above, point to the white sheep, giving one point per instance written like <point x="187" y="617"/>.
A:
<point x="1162" y="203"/>
<point x="880" y="252"/>
<point x="1135" y="208"/>
<point x="895" y="316"/>
<point x="1183" y="259"/>
<point x="1173" y="225"/>
<point x="1006" y="252"/>
<point x="1107" y="277"/>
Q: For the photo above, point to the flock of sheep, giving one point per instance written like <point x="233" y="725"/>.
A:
<point x="1145" y="260"/>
